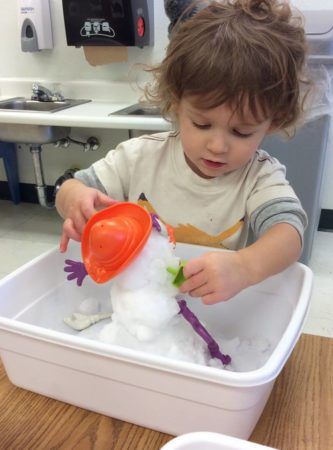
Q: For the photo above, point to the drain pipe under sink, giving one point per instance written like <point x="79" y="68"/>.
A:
<point x="36" y="151"/>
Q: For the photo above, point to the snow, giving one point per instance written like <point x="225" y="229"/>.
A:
<point x="146" y="315"/>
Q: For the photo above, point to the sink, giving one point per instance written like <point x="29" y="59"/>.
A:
<point x="34" y="134"/>
<point x="138" y="109"/>
<point x="24" y="104"/>
<point x="31" y="134"/>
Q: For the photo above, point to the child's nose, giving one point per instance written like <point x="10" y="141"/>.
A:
<point x="218" y="143"/>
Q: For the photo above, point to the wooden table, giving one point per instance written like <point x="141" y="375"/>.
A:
<point x="298" y="415"/>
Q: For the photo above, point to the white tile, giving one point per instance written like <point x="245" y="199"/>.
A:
<point x="12" y="216"/>
<point x="37" y="229"/>
<point x="320" y="318"/>
<point x="29" y="222"/>
<point x="14" y="253"/>
<point x="19" y="211"/>
<point x="25" y="216"/>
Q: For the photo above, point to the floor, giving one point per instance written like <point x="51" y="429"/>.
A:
<point x="27" y="230"/>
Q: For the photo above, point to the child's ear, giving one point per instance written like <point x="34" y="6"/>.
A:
<point x="272" y="129"/>
<point x="174" y="110"/>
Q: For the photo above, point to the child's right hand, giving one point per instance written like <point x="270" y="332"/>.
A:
<point x="216" y="276"/>
<point x="76" y="203"/>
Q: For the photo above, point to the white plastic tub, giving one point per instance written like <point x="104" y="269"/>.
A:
<point x="41" y="354"/>
<point x="211" y="441"/>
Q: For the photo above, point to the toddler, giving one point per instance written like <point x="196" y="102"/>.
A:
<point x="232" y="74"/>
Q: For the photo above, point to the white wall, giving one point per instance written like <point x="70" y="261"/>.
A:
<point x="63" y="64"/>
<point x="67" y="63"/>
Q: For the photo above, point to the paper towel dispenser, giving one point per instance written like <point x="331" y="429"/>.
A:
<point x="109" y="22"/>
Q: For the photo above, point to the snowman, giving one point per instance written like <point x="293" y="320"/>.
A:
<point x="134" y="249"/>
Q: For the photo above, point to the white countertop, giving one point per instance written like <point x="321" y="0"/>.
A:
<point x="94" y="114"/>
<point x="105" y="98"/>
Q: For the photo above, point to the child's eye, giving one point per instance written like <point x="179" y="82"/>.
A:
<point x="241" y="135"/>
<point x="201" y="126"/>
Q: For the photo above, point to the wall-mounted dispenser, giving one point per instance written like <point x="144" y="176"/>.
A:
<point x="35" y="25"/>
<point x="109" y="22"/>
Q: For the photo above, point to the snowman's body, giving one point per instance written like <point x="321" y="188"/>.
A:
<point x="145" y="309"/>
<point x="131" y="248"/>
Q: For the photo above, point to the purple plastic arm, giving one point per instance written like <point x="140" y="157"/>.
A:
<point x="76" y="270"/>
<point x="155" y="222"/>
<point x="213" y="346"/>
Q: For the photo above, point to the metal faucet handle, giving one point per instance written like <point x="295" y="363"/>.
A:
<point x="36" y="86"/>
<point x="41" y="93"/>
<point x="57" y="97"/>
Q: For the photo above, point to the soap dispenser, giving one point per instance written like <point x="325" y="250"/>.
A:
<point x="35" y="25"/>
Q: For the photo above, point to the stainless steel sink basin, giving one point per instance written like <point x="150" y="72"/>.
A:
<point x="34" y="134"/>
<point x="31" y="134"/>
<point x="138" y="109"/>
<point x="24" y="104"/>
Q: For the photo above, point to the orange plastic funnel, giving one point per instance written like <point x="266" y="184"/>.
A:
<point x="112" y="238"/>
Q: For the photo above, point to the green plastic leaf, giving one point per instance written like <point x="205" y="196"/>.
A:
<point x="178" y="275"/>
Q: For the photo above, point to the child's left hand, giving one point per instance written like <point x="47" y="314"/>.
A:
<point x="216" y="276"/>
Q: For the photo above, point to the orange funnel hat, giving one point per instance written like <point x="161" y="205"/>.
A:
<point x="112" y="238"/>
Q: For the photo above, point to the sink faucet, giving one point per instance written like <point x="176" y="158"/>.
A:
<point x="42" y="94"/>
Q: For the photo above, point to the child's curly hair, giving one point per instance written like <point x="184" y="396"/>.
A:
<point x="235" y="52"/>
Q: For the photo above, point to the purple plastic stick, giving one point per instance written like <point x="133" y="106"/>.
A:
<point x="76" y="270"/>
<point x="156" y="223"/>
<point x="213" y="346"/>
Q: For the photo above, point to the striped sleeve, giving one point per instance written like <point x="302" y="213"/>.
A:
<point x="281" y="210"/>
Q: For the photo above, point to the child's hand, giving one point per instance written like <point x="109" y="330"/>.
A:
<point x="216" y="276"/>
<point x="77" y="203"/>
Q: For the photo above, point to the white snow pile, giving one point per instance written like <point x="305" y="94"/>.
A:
<point x="146" y="315"/>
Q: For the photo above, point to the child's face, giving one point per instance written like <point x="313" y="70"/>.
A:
<point x="216" y="141"/>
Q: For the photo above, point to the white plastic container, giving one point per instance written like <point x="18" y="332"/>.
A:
<point x="41" y="354"/>
<point x="211" y="441"/>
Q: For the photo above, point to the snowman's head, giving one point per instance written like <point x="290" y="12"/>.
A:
<point x="113" y="238"/>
